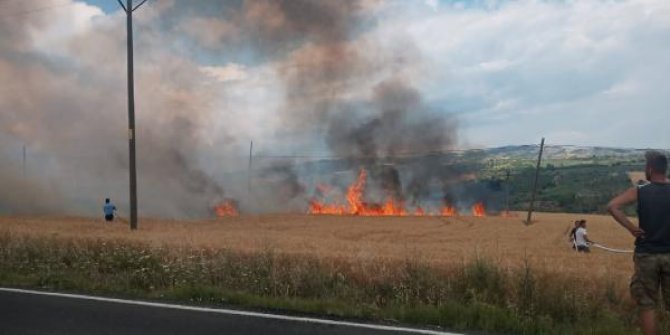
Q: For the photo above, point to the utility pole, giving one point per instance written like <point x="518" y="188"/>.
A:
<point x="251" y="150"/>
<point x="129" y="9"/>
<point x="24" y="161"/>
<point x="507" y="174"/>
<point x="537" y="176"/>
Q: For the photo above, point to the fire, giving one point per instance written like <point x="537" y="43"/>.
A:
<point x="478" y="210"/>
<point x="355" y="194"/>
<point x="448" y="211"/>
<point x="226" y="208"/>
<point x="392" y="208"/>
<point x="356" y="205"/>
<point x="320" y="208"/>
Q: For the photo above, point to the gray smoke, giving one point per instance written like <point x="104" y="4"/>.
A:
<point x="72" y="116"/>
<point x="66" y="100"/>
<point x="403" y="130"/>
<point x="319" y="81"/>
<point x="402" y="126"/>
<point x="318" y="73"/>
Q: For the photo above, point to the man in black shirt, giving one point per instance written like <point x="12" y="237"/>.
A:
<point x="652" y="238"/>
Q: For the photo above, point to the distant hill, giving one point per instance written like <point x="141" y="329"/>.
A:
<point x="563" y="152"/>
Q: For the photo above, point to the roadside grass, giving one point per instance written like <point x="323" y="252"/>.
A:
<point x="478" y="295"/>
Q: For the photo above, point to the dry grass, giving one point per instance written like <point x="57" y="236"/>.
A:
<point x="636" y="176"/>
<point x="493" y="273"/>
<point x="437" y="241"/>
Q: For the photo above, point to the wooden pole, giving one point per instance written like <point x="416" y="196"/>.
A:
<point x="537" y="177"/>
<point x="507" y="174"/>
<point x="129" y="9"/>
<point x="24" y="161"/>
<point x="131" y="118"/>
<point x="251" y="151"/>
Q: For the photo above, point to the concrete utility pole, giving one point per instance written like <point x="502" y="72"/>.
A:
<point x="129" y="9"/>
<point x="537" y="176"/>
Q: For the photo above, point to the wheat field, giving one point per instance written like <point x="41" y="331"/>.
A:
<point x="433" y="240"/>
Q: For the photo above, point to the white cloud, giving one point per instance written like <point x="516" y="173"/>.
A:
<point x="432" y="3"/>
<point x="623" y="88"/>
<point x="576" y="63"/>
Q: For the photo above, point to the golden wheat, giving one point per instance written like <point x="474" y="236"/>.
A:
<point x="439" y="241"/>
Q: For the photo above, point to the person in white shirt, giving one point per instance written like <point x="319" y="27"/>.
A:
<point x="571" y="234"/>
<point x="582" y="240"/>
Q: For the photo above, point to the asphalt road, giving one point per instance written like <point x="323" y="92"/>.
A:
<point x="27" y="312"/>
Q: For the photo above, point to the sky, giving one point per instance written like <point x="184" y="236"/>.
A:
<point x="576" y="72"/>
<point x="313" y="79"/>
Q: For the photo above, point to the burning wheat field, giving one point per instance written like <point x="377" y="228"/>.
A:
<point x="376" y="236"/>
<point x="426" y="210"/>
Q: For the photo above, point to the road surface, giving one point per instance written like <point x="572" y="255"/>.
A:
<point x="36" y="312"/>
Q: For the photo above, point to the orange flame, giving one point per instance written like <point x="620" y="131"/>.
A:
<point x="226" y="208"/>
<point x="355" y="204"/>
<point x="448" y="211"/>
<point x="316" y="207"/>
<point x="355" y="193"/>
<point x="478" y="210"/>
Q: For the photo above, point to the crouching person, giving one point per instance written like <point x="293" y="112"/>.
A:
<point x="109" y="210"/>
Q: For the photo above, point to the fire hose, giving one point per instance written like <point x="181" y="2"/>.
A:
<point x="605" y="248"/>
<point x="620" y="251"/>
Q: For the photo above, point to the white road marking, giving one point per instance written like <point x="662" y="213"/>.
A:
<point x="230" y="312"/>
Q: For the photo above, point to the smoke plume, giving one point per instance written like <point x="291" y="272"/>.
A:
<point x="322" y="76"/>
<point x="72" y="117"/>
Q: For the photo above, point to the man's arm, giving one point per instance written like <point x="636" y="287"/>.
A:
<point x="614" y="208"/>
<point x="586" y="238"/>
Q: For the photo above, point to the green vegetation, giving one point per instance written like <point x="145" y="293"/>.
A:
<point x="578" y="181"/>
<point x="585" y="188"/>
<point x="480" y="295"/>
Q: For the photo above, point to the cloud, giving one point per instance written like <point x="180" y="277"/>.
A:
<point x="546" y="56"/>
